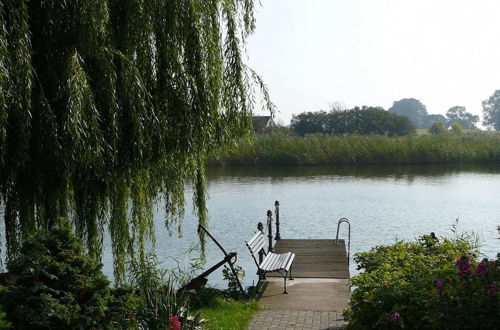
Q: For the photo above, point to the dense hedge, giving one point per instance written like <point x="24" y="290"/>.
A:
<point x="425" y="285"/>
<point x="362" y="121"/>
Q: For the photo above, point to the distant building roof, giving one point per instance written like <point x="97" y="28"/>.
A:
<point x="259" y="123"/>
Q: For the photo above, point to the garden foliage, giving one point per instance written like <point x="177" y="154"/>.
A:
<point x="425" y="285"/>
<point x="61" y="287"/>
<point x="58" y="286"/>
<point x="233" y="282"/>
<point x="160" y="306"/>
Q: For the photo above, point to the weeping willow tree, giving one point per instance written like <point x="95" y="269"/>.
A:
<point x="105" y="105"/>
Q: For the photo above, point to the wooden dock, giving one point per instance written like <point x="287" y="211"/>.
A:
<point x="320" y="289"/>
<point x="315" y="258"/>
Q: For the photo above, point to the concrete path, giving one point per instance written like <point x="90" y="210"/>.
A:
<point x="311" y="303"/>
<point x="295" y="320"/>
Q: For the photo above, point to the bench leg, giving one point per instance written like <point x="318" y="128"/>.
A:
<point x="284" y="278"/>
<point x="291" y="278"/>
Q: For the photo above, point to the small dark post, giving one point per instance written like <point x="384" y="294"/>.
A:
<point x="260" y="227"/>
<point x="277" y="212"/>
<point x="270" y="230"/>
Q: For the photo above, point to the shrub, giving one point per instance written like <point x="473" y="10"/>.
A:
<point x="425" y="285"/>
<point x="457" y="129"/>
<point x="233" y="282"/>
<point x="4" y="324"/>
<point x="362" y="121"/>
<point x="59" y="287"/>
<point x="437" y="129"/>
<point x="124" y="308"/>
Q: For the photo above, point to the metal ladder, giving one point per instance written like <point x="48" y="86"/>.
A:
<point x="345" y="220"/>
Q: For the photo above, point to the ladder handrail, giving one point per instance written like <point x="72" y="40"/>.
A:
<point x="344" y="220"/>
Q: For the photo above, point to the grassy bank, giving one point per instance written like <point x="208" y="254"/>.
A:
<point x="228" y="314"/>
<point x="468" y="148"/>
<point x="219" y="311"/>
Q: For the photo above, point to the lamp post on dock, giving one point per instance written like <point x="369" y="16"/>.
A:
<point x="260" y="227"/>
<point x="277" y="212"/>
<point x="270" y="230"/>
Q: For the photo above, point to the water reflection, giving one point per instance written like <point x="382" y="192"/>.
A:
<point x="398" y="172"/>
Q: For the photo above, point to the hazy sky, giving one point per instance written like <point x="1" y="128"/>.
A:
<point x="373" y="52"/>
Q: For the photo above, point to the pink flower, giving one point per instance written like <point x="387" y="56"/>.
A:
<point x="394" y="317"/>
<point x="492" y="289"/>
<point x="439" y="283"/>
<point x="174" y="323"/>
<point x="463" y="265"/>
<point x="481" y="269"/>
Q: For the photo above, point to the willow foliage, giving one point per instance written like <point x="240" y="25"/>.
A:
<point x="107" y="105"/>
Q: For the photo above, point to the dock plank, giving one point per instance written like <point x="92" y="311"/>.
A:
<point x="315" y="258"/>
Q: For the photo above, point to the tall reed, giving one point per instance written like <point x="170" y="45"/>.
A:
<point x="472" y="147"/>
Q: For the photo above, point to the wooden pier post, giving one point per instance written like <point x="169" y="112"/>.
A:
<point x="277" y="212"/>
<point x="270" y="230"/>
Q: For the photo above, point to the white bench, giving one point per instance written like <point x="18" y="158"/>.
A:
<point x="272" y="262"/>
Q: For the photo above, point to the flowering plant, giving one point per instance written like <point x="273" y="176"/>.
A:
<point x="175" y="324"/>
<point x="423" y="285"/>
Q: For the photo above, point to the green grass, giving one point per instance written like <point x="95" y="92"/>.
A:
<point x="421" y="131"/>
<point x="222" y="313"/>
<point x="424" y="131"/>
<point x="467" y="148"/>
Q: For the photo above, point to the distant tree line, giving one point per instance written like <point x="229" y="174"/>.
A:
<point x="359" y="120"/>
<point x="401" y="119"/>
<point x="491" y="111"/>
<point x="416" y="111"/>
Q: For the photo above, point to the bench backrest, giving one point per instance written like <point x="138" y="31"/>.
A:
<point x="255" y="245"/>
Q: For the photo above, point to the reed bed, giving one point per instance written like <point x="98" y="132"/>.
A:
<point x="467" y="148"/>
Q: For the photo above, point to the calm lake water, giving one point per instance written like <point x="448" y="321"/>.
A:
<point x="384" y="204"/>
